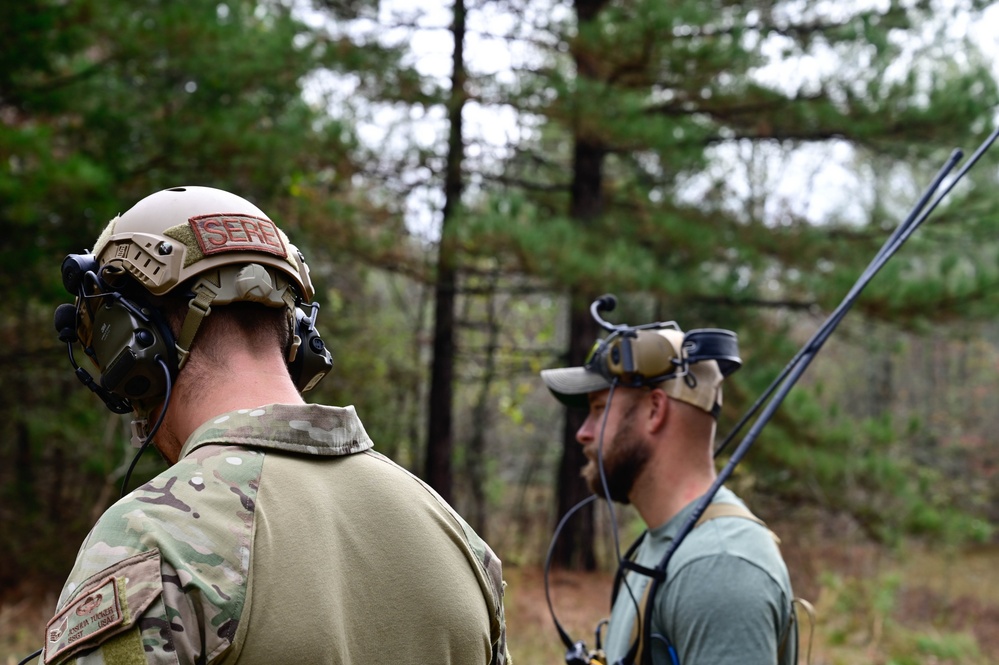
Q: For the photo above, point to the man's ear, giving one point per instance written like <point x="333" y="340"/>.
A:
<point x="659" y="410"/>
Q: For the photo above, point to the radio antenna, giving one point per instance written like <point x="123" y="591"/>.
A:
<point x="901" y="233"/>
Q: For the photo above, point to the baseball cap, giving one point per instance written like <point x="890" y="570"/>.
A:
<point x="702" y="388"/>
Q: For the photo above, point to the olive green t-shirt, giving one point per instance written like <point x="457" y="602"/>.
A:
<point x="726" y="599"/>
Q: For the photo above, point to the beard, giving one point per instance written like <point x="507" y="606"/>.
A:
<point x="623" y="460"/>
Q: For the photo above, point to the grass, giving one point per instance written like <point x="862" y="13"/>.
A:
<point x="580" y="601"/>
<point x="918" y="607"/>
<point x="923" y="606"/>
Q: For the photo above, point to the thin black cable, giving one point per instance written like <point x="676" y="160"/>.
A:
<point x="30" y="658"/>
<point x="596" y="633"/>
<point x="548" y="561"/>
<point x="603" y="474"/>
<point x="155" y="428"/>
<point x="558" y="529"/>
<point x="610" y="502"/>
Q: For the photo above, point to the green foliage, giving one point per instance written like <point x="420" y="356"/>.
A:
<point x="691" y="119"/>
<point x="865" y="616"/>
<point x="370" y="321"/>
<point x="102" y="104"/>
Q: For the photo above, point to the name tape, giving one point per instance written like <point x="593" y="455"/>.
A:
<point x="218" y="233"/>
<point x="92" y="614"/>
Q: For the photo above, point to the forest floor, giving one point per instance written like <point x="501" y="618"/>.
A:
<point x="914" y="606"/>
<point x="917" y="606"/>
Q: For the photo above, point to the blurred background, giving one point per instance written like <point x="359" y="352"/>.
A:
<point x="464" y="178"/>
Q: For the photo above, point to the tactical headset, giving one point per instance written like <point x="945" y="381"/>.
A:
<point x="639" y="356"/>
<point x="125" y="339"/>
<point x="129" y="340"/>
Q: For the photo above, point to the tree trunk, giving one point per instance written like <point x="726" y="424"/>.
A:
<point x="24" y="469"/>
<point x="475" y="457"/>
<point x="439" y="437"/>
<point x="574" y="548"/>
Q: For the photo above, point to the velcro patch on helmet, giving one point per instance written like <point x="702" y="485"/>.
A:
<point x="234" y="232"/>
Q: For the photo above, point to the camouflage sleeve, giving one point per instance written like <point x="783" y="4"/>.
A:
<point x="162" y="577"/>
<point x="494" y="573"/>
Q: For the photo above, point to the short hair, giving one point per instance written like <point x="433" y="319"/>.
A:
<point x="263" y="326"/>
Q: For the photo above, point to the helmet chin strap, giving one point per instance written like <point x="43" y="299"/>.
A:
<point x="140" y="425"/>
<point x="198" y="308"/>
<point x="140" y="431"/>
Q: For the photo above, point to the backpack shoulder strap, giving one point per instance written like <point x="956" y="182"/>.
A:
<point x="716" y="510"/>
<point x="713" y="511"/>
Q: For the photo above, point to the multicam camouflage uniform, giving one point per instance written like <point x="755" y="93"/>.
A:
<point x="281" y="537"/>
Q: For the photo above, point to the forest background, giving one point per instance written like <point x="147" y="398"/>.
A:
<point x="465" y="179"/>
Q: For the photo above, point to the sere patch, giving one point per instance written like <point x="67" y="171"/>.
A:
<point x="235" y="232"/>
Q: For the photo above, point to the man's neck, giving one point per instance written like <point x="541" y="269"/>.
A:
<point x="242" y="385"/>
<point x="665" y="487"/>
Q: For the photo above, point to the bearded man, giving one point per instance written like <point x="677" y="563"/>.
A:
<point x="649" y="437"/>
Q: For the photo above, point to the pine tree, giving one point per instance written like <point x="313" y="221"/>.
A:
<point x="653" y="172"/>
<point x="100" y="105"/>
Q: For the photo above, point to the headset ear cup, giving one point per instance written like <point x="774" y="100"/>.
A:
<point x="128" y="344"/>
<point x="313" y="360"/>
<point x="599" y="359"/>
<point x="640" y="355"/>
<point x="635" y="356"/>
<point x="654" y="355"/>
<point x="714" y="344"/>
<point x="74" y="267"/>
<point x="618" y="361"/>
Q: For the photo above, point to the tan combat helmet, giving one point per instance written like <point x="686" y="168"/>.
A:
<point x="233" y="249"/>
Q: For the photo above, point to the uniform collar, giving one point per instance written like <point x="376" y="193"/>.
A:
<point x="310" y="429"/>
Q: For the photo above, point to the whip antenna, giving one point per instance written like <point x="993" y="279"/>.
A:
<point x="890" y="246"/>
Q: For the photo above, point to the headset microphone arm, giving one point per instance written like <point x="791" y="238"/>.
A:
<point x="797" y="367"/>
<point x="605" y="303"/>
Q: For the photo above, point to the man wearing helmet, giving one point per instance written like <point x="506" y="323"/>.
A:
<point x="277" y="534"/>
